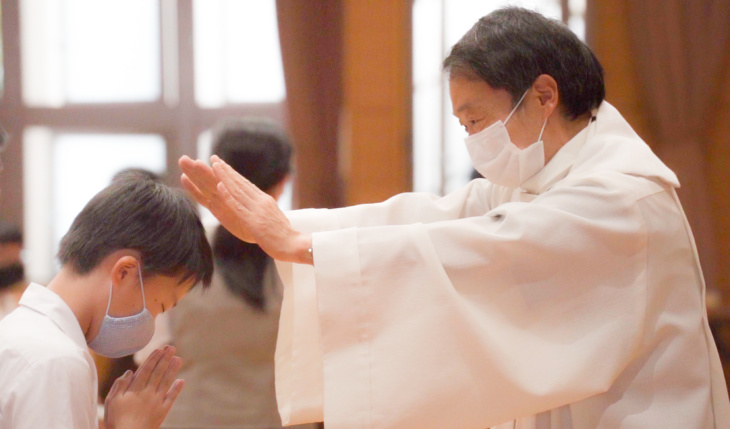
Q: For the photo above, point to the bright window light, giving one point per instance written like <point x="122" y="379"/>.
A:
<point x="237" y="53"/>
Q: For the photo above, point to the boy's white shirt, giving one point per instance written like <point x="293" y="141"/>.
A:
<point x="48" y="378"/>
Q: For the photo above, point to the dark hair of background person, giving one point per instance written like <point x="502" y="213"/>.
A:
<point x="259" y="150"/>
<point x="10" y="233"/>
<point x="10" y="274"/>
<point x="511" y="47"/>
<point x="135" y="212"/>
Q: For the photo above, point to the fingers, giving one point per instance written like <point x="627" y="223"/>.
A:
<point x="226" y="199"/>
<point x="193" y="190"/>
<point x="120" y="384"/>
<point x="241" y="189"/>
<point x="200" y="174"/>
<point x="168" y="378"/>
<point x="158" y="373"/>
<point x="144" y="372"/>
<point x="173" y="393"/>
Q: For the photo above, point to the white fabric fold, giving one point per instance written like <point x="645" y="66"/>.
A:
<point x="574" y="304"/>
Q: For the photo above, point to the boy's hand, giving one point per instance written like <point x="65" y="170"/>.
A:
<point x="141" y="400"/>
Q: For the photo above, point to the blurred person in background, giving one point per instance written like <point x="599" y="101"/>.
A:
<point x="226" y="335"/>
<point x="12" y="276"/>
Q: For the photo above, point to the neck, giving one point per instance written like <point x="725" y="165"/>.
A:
<point x="81" y="294"/>
<point x="562" y="132"/>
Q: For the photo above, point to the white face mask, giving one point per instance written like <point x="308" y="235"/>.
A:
<point x="122" y="336"/>
<point x="501" y="162"/>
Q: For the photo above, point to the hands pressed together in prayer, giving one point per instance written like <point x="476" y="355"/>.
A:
<point x="243" y="209"/>
<point x="141" y="400"/>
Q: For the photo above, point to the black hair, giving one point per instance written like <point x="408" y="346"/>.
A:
<point x="260" y="151"/>
<point x="14" y="272"/>
<point x="141" y="171"/>
<point x="138" y="213"/>
<point x="10" y="233"/>
<point x="511" y="47"/>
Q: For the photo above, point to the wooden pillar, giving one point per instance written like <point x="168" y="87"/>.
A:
<point x="375" y="122"/>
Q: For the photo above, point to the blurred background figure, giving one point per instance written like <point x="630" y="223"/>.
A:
<point x="12" y="275"/>
<point x="227" y="335"/>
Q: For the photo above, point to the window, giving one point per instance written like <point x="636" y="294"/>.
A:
<point x="109" y="85"/>
<point x="441" y="163"/>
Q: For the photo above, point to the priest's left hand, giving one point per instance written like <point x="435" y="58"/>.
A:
<point x="246" y="211"/>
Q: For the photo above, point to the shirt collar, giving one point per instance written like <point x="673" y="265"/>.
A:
<point x="46" y="302"/>
<point x="559" y="165"/>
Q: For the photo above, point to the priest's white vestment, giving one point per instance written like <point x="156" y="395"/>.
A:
<point x="573" y="302"/>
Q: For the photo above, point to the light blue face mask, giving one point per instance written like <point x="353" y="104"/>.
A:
<point x="122" y="336"/>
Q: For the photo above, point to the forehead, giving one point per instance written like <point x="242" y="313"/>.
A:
<point x="470" y="95"/>
<point x="172" y="285"/>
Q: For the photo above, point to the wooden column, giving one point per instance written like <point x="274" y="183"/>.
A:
<point x="375" y="123"/>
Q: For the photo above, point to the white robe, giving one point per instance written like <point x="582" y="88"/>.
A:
<point x="574" y="302"/>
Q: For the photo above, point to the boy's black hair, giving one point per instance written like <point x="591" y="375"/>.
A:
<point x="138" y="213"/>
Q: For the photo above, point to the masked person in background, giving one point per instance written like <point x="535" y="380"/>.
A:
<point x="131" y="253"/>
<point x="563" y="291"/>
<point x="12" y="275"/>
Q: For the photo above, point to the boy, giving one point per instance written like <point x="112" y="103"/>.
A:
<point x="133" y="252"/>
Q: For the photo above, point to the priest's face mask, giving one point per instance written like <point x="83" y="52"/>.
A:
<point x="485" y="113"/>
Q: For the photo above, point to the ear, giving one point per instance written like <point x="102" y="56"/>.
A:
<point x="125" y="271"/>
<point x="547" y="93"/>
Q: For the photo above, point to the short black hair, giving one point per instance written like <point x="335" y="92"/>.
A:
<point x="143" y="171"/>
<point x="512" y="46"/>
<point x="138" y="213"/>
<point x="257" y="148"/>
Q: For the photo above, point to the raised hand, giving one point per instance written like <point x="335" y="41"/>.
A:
<point x="246" y="211"/>
<point x="200" y="181"/>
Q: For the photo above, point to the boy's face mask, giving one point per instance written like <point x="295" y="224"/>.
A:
<point x="122" y="336"/>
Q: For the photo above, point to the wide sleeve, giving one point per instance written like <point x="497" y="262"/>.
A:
<point x="467" y="321"/>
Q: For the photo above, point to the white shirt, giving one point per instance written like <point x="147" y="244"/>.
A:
<point x="47" y="376"/>
<point x="576" y="302"/>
